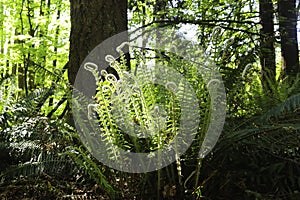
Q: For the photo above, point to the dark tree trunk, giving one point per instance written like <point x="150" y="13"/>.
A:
<point x="92" y="22"/>
<point x="267" y="50"/>
<point x="288" y="35"/>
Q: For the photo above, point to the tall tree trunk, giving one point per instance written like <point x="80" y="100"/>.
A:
<point x="288" y="36"/>
<point x="92" y="22"/>
<point x="267" y="50"/>
<point x="2" y="36"/>
<point x="21" y="67"/>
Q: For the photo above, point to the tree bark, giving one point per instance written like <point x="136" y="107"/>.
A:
<point x="288" y="36"/>
<point x="267" y="50"/>
<point x="92" y="22"/>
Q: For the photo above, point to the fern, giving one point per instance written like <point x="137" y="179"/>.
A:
<point x="152" y="106"/>
<point x="47" y="73"/>
<point x="83" y="159"/>
<point x="49" y="164"/>
<point x="34" y="147"/>
<point x="292" y="104"/>
<point x="261" y="150"/>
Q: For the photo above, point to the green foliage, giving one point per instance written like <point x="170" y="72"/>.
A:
<point x="290" y="105"/>
<point x="257" y="156"/>
<point x="83" y="159"/>
<point x="32" y="148"/>
<point x="34" y="92"/>
<point x="256" y="160"/>
<point x="133" y="105"/>
<point x="34" y="42"/>
<point x="37" y="146"/>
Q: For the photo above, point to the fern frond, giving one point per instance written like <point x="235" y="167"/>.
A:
<point x="47" y="163"/>
<point x="27" y="106"/>
<point x="83" y="159"/>
<point x="39" y="68"/>
<point x="288" y="106"/>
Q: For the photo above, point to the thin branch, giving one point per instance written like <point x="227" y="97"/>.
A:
<point x="185" y="21"/>
<point x="211" y="23"/>
<point x="57" y="106"/>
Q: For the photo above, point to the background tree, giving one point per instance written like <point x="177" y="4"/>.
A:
<point x="267" y="49"/>
<point x="287" y="15"/>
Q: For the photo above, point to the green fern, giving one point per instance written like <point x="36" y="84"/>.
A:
<point x="49" y="164"/>
<point x="84" y="160"/>
<point x="292" y="104"/>
<point x="268" y="151"/>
